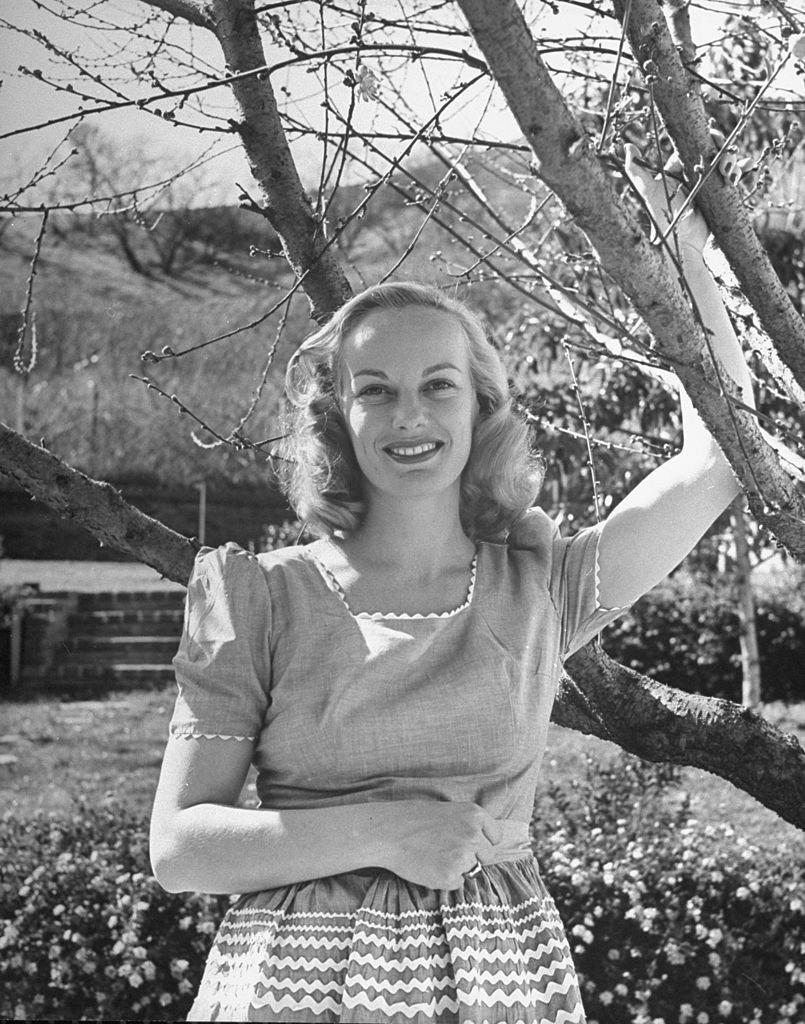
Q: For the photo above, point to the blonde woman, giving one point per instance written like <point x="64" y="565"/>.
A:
<point x="393" y="681"/>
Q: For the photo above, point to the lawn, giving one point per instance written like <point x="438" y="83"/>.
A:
<point x="110" y="750"/>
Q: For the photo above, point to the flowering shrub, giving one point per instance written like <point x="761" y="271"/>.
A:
<point x="670" y="920"/>
<point x="86" y="932"/>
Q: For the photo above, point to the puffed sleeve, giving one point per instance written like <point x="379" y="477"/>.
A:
<point x="223" y="663"/>
<point x="572" y="574"/>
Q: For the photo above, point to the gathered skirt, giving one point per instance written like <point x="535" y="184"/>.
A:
<point x="368" y="947"/>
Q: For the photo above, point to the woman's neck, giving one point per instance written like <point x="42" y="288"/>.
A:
<point x="418" y="536"/>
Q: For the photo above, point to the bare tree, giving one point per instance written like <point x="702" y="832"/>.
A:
<point x="644" y="83"/>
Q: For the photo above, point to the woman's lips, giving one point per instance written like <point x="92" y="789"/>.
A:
<point x="407" y="453"/>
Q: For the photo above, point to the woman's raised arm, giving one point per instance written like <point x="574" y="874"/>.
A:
<point x="658" y="523"/>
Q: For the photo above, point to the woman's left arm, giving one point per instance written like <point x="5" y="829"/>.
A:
<point x="658" y="523"/>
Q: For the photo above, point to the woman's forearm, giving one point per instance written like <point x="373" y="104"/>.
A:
<point x="722" y="338"/>
<point x="218" y="849"/>
<point x="723" y="344"/>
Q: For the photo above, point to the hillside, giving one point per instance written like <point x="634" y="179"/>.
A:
<point x="202" y="273"/>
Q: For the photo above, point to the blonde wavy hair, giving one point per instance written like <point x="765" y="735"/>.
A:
<point x="322" y="479"/>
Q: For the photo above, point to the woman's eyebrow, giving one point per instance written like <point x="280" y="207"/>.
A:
<point x="440" y="366"/>
<point x="428" y="370"/>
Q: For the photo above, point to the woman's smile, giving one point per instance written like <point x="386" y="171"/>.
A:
<point x="407" y="453"/>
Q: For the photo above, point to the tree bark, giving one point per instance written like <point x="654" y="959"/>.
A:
<point x="600" y="697"/>
<point x="96" y="506"/>
<point x="750" y="654"/>
<point x="679" y="101"/>
<point x="567" y="163"/>
<point x="659" y="723"/>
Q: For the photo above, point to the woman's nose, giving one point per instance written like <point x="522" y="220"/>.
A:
<point x="409" y="412"/>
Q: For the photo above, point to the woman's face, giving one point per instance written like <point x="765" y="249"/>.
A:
<point x="407" y="396"/>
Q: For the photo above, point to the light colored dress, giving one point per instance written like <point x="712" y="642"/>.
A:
<point x="346" y="708"/>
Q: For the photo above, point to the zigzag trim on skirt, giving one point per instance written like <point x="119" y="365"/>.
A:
<point x="471" y="963"/>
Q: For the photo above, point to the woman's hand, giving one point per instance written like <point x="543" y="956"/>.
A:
<point x="433" y="843"/>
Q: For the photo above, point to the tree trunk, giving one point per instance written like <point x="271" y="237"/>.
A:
<point x="750" y="654"/>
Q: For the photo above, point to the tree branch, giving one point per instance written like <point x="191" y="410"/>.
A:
<point x="567" y="163"/>
<point x="96" y="506"/>
<point x="678" y="97"/>
<point x="197" y="12"/>
<point x="287" y="206"/>
<point x="659" y="723"/>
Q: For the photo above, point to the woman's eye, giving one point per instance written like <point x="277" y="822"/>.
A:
<point x="372" y="391"/>
<point x="442" y="384"/>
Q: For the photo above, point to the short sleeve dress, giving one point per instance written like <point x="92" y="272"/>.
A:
<point x="345" y="708"/>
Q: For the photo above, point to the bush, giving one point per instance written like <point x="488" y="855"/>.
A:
<point x="669" y="921"/>
<point x="85" y="932"/>
<point x="685" y="632"/>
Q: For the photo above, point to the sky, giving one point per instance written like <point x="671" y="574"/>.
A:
<point x="24" y="101"/>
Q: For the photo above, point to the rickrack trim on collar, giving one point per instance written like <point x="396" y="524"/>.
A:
<point x="337" y="589"/>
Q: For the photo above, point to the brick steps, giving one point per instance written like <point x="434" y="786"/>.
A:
<point x="119" y="640"/>
<point x="126" y="650"/>
<point x="119" y="622"/>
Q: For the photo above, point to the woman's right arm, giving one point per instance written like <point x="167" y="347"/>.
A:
<point x="202" y="842"/>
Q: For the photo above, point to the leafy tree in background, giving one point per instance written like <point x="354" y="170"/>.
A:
<point x="585" y="285"/>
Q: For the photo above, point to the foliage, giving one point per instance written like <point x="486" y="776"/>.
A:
<point x="668" y="920"/>
<point x="283" y="535"/>
<point x="87" y="932"/>
<point x="685" y="632"/>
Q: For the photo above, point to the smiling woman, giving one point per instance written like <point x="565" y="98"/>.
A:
<point x="393" y="682"/>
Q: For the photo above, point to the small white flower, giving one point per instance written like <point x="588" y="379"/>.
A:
<point x="606" y="998"/>
<point x="703" y="983"/>
<point x="714" y="937"/>
<point x="725" y="1007"/>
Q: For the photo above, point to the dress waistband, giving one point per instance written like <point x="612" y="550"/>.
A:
<point x="514" y="842"/>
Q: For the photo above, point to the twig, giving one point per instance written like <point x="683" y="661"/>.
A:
<point x="20" y="366"/>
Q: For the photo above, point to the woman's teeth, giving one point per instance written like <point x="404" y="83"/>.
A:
<point x="418" y="449"/>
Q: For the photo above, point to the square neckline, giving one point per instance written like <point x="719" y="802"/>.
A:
<point x="332" y="583"/>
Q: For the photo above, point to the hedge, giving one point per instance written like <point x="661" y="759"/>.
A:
<point x="685" y="632"/>
<point x="670" y="921"/>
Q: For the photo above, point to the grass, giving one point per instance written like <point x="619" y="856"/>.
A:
<point x="111" y="750"/>
<point x="82" y="577"/>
